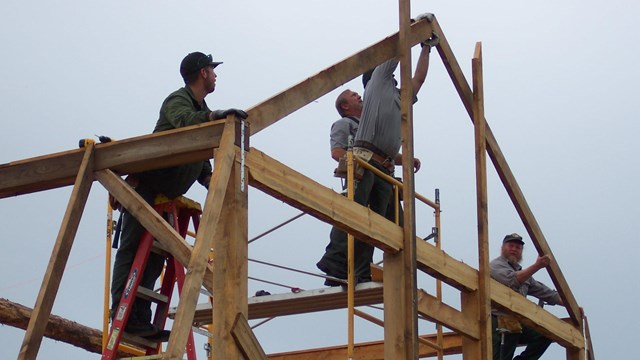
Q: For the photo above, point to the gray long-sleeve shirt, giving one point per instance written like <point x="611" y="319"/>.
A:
<point x="505" y="272"/>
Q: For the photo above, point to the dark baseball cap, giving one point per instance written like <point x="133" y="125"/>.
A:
<point x="513" y="237"/>
<point x="195" y="61"/>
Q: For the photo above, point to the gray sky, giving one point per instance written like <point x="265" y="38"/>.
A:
<point x="559" y="98"/>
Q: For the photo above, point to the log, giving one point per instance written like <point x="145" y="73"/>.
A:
<point x="58" y="328"/>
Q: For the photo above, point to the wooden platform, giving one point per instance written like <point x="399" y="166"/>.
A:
<point x="306" y="301"/>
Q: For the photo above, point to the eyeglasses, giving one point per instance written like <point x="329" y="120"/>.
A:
<point x="202" y="62"/>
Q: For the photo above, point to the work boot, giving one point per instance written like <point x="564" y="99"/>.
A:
<point x="140" y="328"/>
<point x="160" y="336"/>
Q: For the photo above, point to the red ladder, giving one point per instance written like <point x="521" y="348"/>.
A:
<point x="177" y="212"/>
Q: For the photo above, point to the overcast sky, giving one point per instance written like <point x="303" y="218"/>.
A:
<point x="559" y="97"/>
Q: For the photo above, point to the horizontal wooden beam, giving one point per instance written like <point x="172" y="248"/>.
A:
<point x="137" y="154"/>
<point x="306" y="301"/>
<point x="437" y="311"/>
<point x="452" y="344"/>
<point x="297" y="190"/>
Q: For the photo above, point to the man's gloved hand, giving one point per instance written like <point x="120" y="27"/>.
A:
<point x="432" y="41"/>
<point x="221" y="114"/>
<point x="428" y="16"/>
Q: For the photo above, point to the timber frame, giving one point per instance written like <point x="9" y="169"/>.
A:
<point x="235" y="160"/>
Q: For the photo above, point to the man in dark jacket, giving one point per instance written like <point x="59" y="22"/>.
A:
<point x="184" y="107"/>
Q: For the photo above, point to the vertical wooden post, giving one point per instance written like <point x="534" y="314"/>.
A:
<point x="210" y="225"/>
<point x="230" y="269"/>
<point x="484" y="290"/>
<point x="59" y="256"/>
<point x="401" y="330"/>
<point x="471" y="348"/>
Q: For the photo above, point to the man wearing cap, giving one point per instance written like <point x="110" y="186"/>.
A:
<point x="184" y="107"/>
<point x="507" y="270"/>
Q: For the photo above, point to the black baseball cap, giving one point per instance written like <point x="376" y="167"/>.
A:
<point x="195" y="61"/>
<point x="513" y="237"/>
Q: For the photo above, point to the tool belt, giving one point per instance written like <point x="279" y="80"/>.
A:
<point x="509" y="323"/>
<point x="377" y="155"/>
<point x="341" y="170"/>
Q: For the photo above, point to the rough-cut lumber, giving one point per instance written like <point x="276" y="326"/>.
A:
<point x="508" y="179"/>
<point x="440" y="313"/>
<point x="125" y="156"/>
<point x="305" y="301"/>
<point x="301" y="94"/>
<point x="58" y="328"/>
<point x="452" y="344"/>
<point x="59" y="256"/>
<point x="246" y="339"/>
<point x="284" y="183"/>
<point x="209" y="224"/>
<point x="484" y="273"/>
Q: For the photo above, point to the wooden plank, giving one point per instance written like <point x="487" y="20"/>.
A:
<point x="408" y="294"/>
<point x="230" y="259"/>
<point x="59" y="256"/>
<point x="303" y="302"/>
<point x="452" y="344"/>
<point x="58" y="328"/>
<point x="164" y="233"/>
<point x="277" y="107"/>
<point x="484" y="290"/>
<point x="564" y="333"/>
<point x="136" y="154"/>
<point x="440" y="313"/>
<point x="286" y="184"/>
<point x="508" y="179"/>
<point x="471" y="348"/>
<point x="209" y="224"/>
<point x="246" y="339"/>
<point x="394" y="307"/>
<point x="591" y="355"/>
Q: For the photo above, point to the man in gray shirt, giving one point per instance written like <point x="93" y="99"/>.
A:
<point x="378" y="142"/>
<point x="507" y="270"/>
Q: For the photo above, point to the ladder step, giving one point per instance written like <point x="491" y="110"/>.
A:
<point x="151" y="295"/>
<point x="138" y="341"/>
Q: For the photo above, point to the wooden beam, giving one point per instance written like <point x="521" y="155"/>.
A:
<point x="508" y="179"/>
<point x="407" y="294"/>
<point x="209" y="224"/>
<point x="533" y="316"/>
<point x="59" y="256"/>
<point x="471" y="348"/>
<point x="452" y="344"/>
<point x="484" y="290"/>
<point x="440" y="313"/>
<point x="303" y="302"/>
<point x="136" y="154"/>
<point x="277" y="107"/>
<point x="246" y="339"/>
<point x="230" y="261"/>
<point x="150" y="220"/>
<point x="58" y="328"/>
<point x="286" y="184"/>
<point x="394" y="307"/>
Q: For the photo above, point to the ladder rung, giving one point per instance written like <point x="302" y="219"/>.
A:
<point x="151" y="295"/>
<point x="138" y="341"/>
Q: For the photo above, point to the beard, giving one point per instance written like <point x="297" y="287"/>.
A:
<point x="514" y="259"/>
